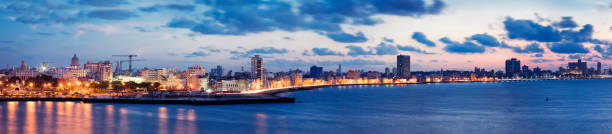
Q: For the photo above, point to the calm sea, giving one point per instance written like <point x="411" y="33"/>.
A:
<point x="574" y="106"/>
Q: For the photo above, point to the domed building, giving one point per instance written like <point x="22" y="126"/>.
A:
<point x="75" y="62"/>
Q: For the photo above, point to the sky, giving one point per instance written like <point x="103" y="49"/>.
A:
<point x="290" y="34"/>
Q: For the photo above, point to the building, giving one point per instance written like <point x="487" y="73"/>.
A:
<point x="234" y="85"/>
<point x="578" y="67"/>
<point x="513" y="67"/>
<point x="352" y="74"/>
<point x="193" y="75"/>
<point x="598" y="67"/>
<point x="101" y="71"/>
<point x="403" y="66"/>
<point x="74" y="62"/>
<point x="316" y="72"/>
<point x="339" y="71"/>
<point x="258" y="72"/>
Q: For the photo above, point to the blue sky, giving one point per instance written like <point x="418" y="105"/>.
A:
<point x="359" y="34"/>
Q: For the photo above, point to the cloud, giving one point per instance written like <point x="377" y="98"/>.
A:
<point x="389" y="40"/>
<point x="485" y="39"/>
<point x="212" y="49"/>
<point x="111" y="14"/>
<point x="42" y="12"/>
<point x="540" y="60"/>
<point x="325" y="52"/>
<point x="172" y="54"/>
<point x="566" y="22"/>
<point x="197" y="54"/>
<point x="347" y="38"/>
<point x="182" y="23"/>
<point x="45" y="34"/>
<point x="461" y="48"/>
<point x="530" y="31"/>
<point x="263" y="51"/>
<point x="421" y="38"/>
<point x="357" y="50"/>
<point x="284" y="63"/>
<point x="176" y="7"/>
<point x="7" y="41"/>
<point x="531" y="48"/>
<point x="567" y="48"/>
<point x="232" y="17"/>
<point x="385" y="49"/>
<point x="538" y="55"/>
<point x="575" y="56"/>
<point x="412" y="49"/>
<point x="142" y="29"/>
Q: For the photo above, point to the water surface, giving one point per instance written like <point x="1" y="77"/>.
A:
<point x="575" y="106"/>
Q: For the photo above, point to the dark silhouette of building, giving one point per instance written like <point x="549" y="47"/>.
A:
<point x="513" y="66"/>
<point x="598" y="67"/>
<point x="316" y="72"/>
<point x="577" y="67"/>
<point x="403" y="66"/>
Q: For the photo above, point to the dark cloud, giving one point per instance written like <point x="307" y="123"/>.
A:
<point x="538" y="55"/>
<point x="486" y="40"/>
<point x="530" y="31"/>
<point x="347" y="38"/>
<point x="197" y="54"/>
<point x="182" y="23"/>
<point x="111" y="14"/>
<point x="176" y="7"/>
<point x="421" y="38"/>
<point x="237" y="17"/>
<point x="461" y="48"/>
<point x="566" y="22"/>
<point x="357" y="50"/>
<point x="531" y="48"/>
<point x="412" y="49"/>
<point x="567" y="48"/>
<point x="325" y="52"/>
<point x="575" y="56"/>
<point x="385" y="49"/>
<point x="211" y="49"/>
<point x="389" y="40"/>
<point x="43" y="12"/>
<point x="540" y="60"/>
<point x="103" y="3"/>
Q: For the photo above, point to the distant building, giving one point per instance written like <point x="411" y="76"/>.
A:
<point x="101" y="71"/>
<point x="258" y="72"/>
<point x="316" y="72"/>
<point x="578" y="67"/>
<point x="352" y="74"/>
<point x="403" y="66"/>
<point x="598" y="67"/>
<point x="74" y="62"/>
<point x="513" y="67"/>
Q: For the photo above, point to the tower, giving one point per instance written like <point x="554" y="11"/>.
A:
<point x="403" y="66"/>
<point x="75" y="62"/>
<point x="513" y="66"/>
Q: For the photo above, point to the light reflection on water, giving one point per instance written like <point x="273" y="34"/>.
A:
<point x="580" y="106"/>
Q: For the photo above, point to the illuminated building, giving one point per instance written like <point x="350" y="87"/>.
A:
<point x="192" y="76"/>
<point x="234" y="85"/>
<point x="513" y="67"/>
<point x="296" y="78"/>
<point x="578" y="67"/>
<point x="257" y="71"/>
<point x="403" y="66"/>
<point x="101" y="71"/>
<point x="352" y="74"/>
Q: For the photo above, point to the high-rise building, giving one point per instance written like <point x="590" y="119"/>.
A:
<point x="339" y="71"/>
<point x="101" y="71"/>
<point x="598" y="67"/>
<point x="403" y="66"/>
<point x="75" y="62"/>
<point x="578" y="67"/>
<point x="24" y="66"/>
<point x="257" y="67"/>
<point x="316" y="72"/>
<point x="513" y="66"/>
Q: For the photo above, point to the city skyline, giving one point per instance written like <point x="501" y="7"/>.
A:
<point x="445" y="34"/>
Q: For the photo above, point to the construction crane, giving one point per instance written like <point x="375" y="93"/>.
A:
<point x="130" y="59"/>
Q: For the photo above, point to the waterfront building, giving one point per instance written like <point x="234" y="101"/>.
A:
<point x="598" y="67"/>
<point x="257" y="71"/>
<point x="403" y="66"/>
<point x="339" y="71"/>
<point x="353" y="74"/>
<point x="296" y="78"/>
<point x="101" y="71"/>
<point x="578" y="67"/>
<point x="192" y="76"/>
<point x="234" y="85"/>
<point x="373" y="75"/>
<point x="316" y="72"/>
<point x="513" y="67"/>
